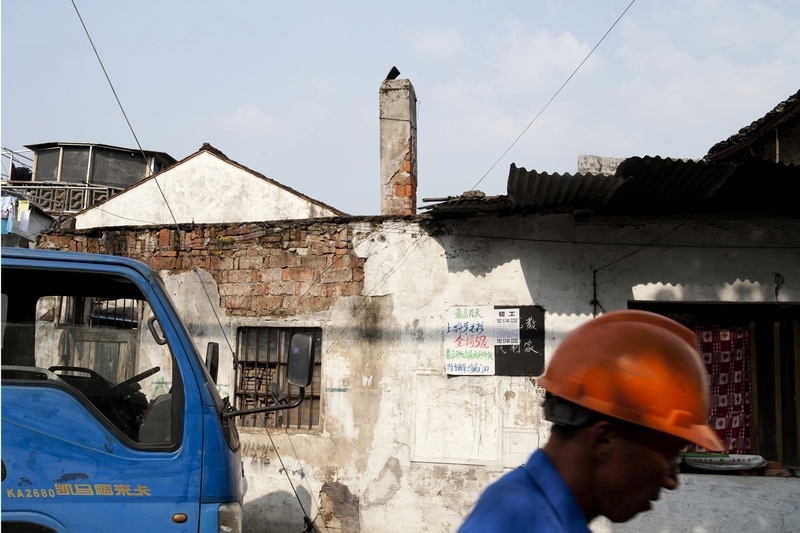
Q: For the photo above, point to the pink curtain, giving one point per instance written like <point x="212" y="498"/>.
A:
<point x="725" y="354"/>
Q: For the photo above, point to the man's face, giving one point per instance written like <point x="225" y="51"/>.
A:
<point x="640" y="463"/>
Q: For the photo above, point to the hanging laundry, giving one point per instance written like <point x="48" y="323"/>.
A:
<point x="8" y="206"/>
<point x="24" y="214"/>
<point x="9" y="214"/>
<point x="22" y="205"/>
<point x="24" y="219"/>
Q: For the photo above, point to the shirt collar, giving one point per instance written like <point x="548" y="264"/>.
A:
<point x="556" y="492"/>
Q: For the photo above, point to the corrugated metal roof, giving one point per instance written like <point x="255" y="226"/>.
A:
<point x="646" y="185"/>
<point x="663" y="183"/>
<point x="639" y="183"/>
<point x="780" y="113"/>
<point x="531" y="189"/>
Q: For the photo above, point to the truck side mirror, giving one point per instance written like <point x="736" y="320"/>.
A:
<point x="212" y="360"/>
<point x="300" y="368"/>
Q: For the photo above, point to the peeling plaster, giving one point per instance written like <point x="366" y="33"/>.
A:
<point x="381" y="490"/>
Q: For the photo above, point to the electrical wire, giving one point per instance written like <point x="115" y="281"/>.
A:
<point x="303" y="476"/>
<point x="308" y="522"/>
<point x="155" y="179"/>
<point x="283" y="467"/>
<point x="17" y="153"/>
<point x="554" y="96"/>
<point x="676" y="228"/>
<point x="608" y="243"/>
<point x="371" y="292"/>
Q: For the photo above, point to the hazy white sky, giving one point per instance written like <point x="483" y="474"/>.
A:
<point x="290" y="89"/>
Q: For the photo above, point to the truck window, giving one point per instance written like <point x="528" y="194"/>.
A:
<point x="106" y="348"/>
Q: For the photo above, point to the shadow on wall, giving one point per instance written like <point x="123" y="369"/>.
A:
<point x="708" y="259"/>
<point x="277" y="512"/>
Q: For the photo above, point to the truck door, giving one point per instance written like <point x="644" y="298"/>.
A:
<point x="101" y="420"/>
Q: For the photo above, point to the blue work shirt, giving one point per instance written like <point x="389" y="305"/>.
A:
<point x="531" y="499"/>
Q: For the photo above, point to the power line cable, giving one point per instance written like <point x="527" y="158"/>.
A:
<point x="155" y="179"/>
<point x="554" y="96"/>
<point x="307" y="520"/>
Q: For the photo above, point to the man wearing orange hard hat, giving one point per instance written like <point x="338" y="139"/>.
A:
<point x="625" y="392"/>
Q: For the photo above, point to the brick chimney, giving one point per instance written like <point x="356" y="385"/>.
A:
<point x="398" y="119"/>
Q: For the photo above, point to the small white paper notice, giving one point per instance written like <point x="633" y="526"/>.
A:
<point x="469" y="340"/>
<point x="506" y="327"/>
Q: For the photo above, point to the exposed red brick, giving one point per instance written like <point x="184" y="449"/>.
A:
<point x="236" y="302"/>
<point x="284" y="259"/>
<point x="336" y="275"/>
<point x="353" y="289"/>
<point x="260" y="270"/>
<point x="298" y="274"/>
<point x="241" y="276"/>
<point x="269" y="302"/>
<point x="282" y="288"/>
<point x="240" y="289"/>
<point x="314" y="261"/>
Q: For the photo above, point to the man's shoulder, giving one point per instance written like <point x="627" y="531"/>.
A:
<point x="512" y="503"/>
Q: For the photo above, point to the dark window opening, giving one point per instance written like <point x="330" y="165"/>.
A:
<point x="261" y="359"/>
<point x="769" y="336"/>
<point x="47" y="164"/>
<point x="117" y="168"/>
<point x="75" y="164"/>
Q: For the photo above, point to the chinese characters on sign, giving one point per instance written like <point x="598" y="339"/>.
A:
<point x="469" y="341"/>
<point x="506" y="327"/>
<point x="495" y="340"/>
<point x="81" y="489"/>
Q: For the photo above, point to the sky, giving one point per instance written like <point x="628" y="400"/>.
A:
<point x="290" y="89"/>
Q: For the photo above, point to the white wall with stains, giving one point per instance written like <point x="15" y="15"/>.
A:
<point x="205" y="188"/>
<point x="403" y="447"/>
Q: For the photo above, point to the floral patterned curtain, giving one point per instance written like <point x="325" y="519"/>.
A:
<point x="725" y="354"/>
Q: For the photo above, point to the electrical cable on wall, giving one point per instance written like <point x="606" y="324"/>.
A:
<point x="594" y="301"/>
<point x="779" y="282"/>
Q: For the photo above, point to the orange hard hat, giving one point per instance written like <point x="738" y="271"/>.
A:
<point x="639" y="367"/>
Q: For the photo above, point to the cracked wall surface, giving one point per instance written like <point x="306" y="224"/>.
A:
<point x="401" y="446"/>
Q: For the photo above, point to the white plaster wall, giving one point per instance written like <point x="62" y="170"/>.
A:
<point x="720" y="504"/>
<point x="203" y="190"/>
<point x="417" y="447"/>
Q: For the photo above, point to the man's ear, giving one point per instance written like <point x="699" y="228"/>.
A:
<point x="602" y="439"/>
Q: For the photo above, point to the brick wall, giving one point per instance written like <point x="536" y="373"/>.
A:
<point x="260" y="269"/>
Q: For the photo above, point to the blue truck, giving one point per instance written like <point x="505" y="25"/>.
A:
<point x="111" y="419"/>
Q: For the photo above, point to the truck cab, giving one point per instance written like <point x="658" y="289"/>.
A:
<point x="111" y="421"/>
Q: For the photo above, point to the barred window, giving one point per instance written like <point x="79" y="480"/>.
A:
<point x="261" y="357"/>
<point x="116" y="313"/>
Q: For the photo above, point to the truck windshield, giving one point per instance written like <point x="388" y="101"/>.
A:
<point x="96" y="336"/>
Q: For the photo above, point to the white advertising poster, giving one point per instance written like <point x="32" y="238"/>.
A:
<point x="506" y="327"/>
<point x="469" y="340"/>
